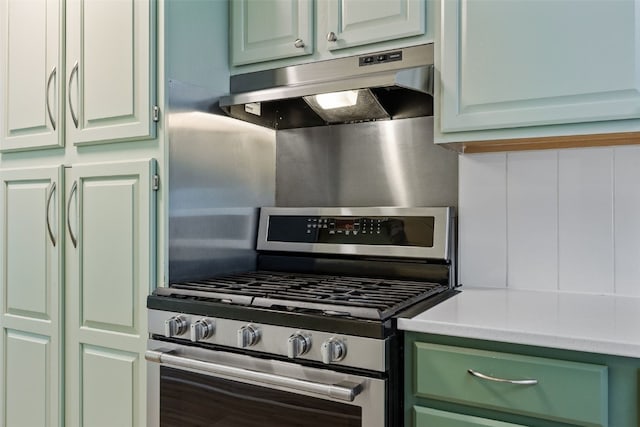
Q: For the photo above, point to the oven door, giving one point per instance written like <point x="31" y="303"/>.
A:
<point x="192" y="386"/>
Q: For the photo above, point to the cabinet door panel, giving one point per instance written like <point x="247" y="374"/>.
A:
<point x="27" y="259"/>
<point x="526" y="63"/>
<point x="30" y="234"/>
<point x="109" y="376"/>
<point x="109" y="215"/>
<point x="263" y="30"/>
<point x="357" y="22"/>
<point x="31" y="82"/>
<point x="110" y="271"/>
<point x="27" y="379"/>
<point x="110" y="70"/>
<point x="427" y="417"/>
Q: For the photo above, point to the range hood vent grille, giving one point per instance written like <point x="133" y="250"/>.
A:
<point x="384" y="88"/>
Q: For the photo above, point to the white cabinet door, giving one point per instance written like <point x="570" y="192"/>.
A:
<point x="110" y="69"/>
<point x="357" y="22"/>
<point x="31" y="78"/>
<point x="30" y="297"/>
<point x="263" y="30"/>
<point x="110" y="270"/>
<point x="528" y="63"/>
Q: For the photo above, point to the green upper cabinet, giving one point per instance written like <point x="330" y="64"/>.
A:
<point x="110" y="69"/>
<point x="275" y="33"/>
<point x="530" y="63"/>
<point x="356" y="22"/>
<point x="98" y="85"/>
<point x="31" y="89"/>
<point x="264" y="30"/>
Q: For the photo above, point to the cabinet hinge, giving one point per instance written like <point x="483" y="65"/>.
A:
<point x="155" y="186"/>
<point x="156" y="113"/>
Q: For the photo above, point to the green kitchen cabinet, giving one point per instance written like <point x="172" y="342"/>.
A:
<point x="274" y="33"/>
<point x="355" y="22"/>
<point x="105" y="221"/>
<point x="92" y="82"/>
<point x="264" y="30"/>
<point x="110" y="269"/>
<point x="31" y="297"/>
<point x="530" y="68"/>
<point x="466" y="382"/>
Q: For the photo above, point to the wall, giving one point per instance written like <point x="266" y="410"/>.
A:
<point x="552" y="220"/>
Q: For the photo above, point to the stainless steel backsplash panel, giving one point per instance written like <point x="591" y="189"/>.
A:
<point x="221" y="170"/>
<point x="383" y="163"/>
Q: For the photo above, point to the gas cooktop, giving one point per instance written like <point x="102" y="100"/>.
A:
<point x="357" y="297"/>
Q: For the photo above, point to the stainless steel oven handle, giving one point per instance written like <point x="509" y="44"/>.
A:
<point x="346" y="391"/>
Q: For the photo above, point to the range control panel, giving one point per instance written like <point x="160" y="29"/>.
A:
<point x="398" y="231"/>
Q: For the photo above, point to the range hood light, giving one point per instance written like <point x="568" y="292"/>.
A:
<point x="333" y="100"/>
<point x="347" y="106"/>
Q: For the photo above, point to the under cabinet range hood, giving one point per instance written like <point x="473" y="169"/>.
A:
<point x="393" y="84"/>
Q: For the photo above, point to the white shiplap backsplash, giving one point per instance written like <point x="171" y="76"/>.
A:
<point x="551" y="220"/>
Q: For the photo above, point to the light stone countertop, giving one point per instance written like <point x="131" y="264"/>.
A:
<point x="605" y="324"/>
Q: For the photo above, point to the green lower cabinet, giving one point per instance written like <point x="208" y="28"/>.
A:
<point x="427" y="417"/>
<point x="571" y="388"/>
<point x="546" y="388"/>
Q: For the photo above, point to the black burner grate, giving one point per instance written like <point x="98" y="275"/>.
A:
<point x="360" y="297"/>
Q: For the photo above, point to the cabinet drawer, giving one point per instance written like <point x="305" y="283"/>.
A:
<point x="565" y="391"/>
<point x="427" y="417"/>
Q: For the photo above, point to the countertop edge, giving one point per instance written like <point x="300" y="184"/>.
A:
<point x="591" y="323"/>
<point x="520" y="337"/>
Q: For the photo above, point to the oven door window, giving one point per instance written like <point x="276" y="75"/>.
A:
<point x="189" y="399"/>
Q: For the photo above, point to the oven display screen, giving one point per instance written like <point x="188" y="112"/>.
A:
<point x="397" y="231"/>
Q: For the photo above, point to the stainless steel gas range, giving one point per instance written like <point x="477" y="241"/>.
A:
<point x="309" y="339"/>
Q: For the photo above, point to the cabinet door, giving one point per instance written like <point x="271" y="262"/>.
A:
<point x="427" y="417"/>
<point x="358" y="22"/>
<point x="262" y="30"/>
<point x="30" y="90"/>
<point x="110" y="253"/>
<point x="110" y="69"/>
<point x="527" y="63"/>
<point x="30" y="317"/>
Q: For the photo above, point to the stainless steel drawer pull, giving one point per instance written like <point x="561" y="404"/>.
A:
<point x="341" y="391"/>
<point x="501" y="380"/>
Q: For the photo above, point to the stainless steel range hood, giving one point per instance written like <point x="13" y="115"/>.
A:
<point x="392" y="84"/>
